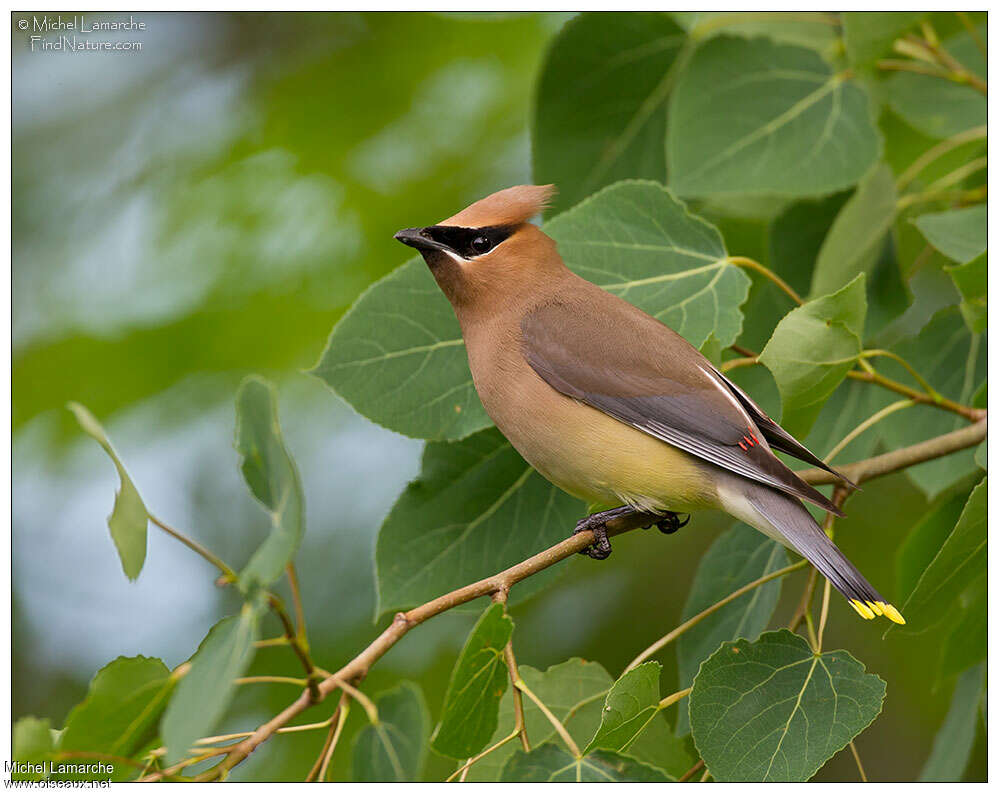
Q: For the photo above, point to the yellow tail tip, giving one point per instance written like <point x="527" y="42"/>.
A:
<point x="871" y="609"/>
<point x="862" y="609"/>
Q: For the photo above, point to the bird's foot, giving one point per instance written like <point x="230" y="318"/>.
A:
<point x="597" y="524"/>
<point x="669" y="523"/>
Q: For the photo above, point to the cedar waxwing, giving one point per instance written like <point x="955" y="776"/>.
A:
<point x="609" y="403"/>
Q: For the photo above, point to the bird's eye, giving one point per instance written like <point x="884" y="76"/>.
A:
<point x="480" y="245"/>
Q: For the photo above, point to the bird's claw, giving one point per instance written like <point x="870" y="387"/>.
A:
<point x="670" y="523"/>
<point x="600" y="549"/>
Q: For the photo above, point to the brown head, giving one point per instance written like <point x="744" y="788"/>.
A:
<point x="489" y="251"/>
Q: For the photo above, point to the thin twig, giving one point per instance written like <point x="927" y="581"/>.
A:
<point x="689" y="624"/>
<point x="899" y="459"/>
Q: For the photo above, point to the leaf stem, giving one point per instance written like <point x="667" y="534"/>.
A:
<point x="752" y="264"/>
<point x="461" y="770"/>
<point x="669" y="700"/>
<point x="935" y="152"/>
<point x="689" y="624"/>
<point x="975" y="35"/>
<point x="865" y="425"/>
<point x="691" y="772"/>
<point x="296" y="600"/>
<point x="331" y="723"/>
<point x="860" y="766"/>
<point x="337" y="729"/>
<point x="227" y="572"/>
<point x="823" y="616"/>
<point x="277" y="605"/>
<point x="271" y="679"/>
<point x="560" y="729"/>
<point x="972" y="196"/>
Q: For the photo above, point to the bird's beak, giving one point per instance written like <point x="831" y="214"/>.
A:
<point x="418" y="239"/>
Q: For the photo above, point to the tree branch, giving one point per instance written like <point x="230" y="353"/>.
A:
<point x="358" y="667"/>
<point x="899" y="459"/>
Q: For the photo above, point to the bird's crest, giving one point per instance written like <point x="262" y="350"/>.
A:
<point x="508" y="207"/>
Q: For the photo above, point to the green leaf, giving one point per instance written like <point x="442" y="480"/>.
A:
<point x="811" y="351"/>
<point x="954" y="362"/>
<point x="982" y="455"/>
<point x="600" y="105"/>
<point x="205" y="692"/>
<point x="630" y="706"/>
<point x="636" y="240"/>
<point x="121" y="712"/>
<point x="551" y="763"/>
<point x="129" y="519"/>
<point x="856" y="238"/>
<point x="960" y="560"/>
<point x="796" y="237"/>
<point x="970" y="280"/>
<point x="476" y="508"/>
<point x="397" y="356"/>
<point x="868" y="35"/>
<point x="736" y="558"/>
<point x="32" y="744"/>
<point x="967" y="642"/>
<point x="772" y="710"/>
<point x="815" y="30"/>
<point x="270" y="473"/>
<point x="936" y="106"/>
<point x="575" y="691"/>
<point x="952" y="745"/>
<point x="925" y="539"/>
<point x="394" y="750"/>
<point x="960" y="235"/>
<point x="471" y="706"/>
<point x="751" y="116"/>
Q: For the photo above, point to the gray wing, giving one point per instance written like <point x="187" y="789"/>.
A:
<point x="637" y="370"/>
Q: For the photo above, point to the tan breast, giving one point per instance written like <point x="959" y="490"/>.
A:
<point x="582" y="450"/>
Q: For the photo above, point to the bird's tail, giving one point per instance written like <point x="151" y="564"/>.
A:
<point x="797" y="529"/>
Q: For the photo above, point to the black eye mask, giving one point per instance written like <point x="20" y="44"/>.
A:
<point x="469" y="243"/>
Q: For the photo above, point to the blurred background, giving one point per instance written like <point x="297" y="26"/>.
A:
<point x="207" y="207"/>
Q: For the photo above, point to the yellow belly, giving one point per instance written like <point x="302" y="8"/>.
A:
<point x="592" y="455"/>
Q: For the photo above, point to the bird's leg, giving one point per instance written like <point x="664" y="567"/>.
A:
<point x="597" y="523"/>
<point x="670" y="523"/>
